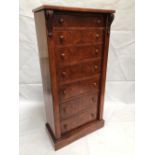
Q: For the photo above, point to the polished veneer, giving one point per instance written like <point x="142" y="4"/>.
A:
<point x="73" y="49"/>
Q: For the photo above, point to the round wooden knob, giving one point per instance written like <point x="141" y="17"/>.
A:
<point x="94" y="84"/>
<point x="65" y="126"/>
<point x="93" y="99"/>
<point x="64" y="110"/>
<point x="96" y="51"/>
<point x="92" y="115"/>
<point x="62" y="55"/>
<point x="61" y="37"/>
<point x="63" y="74"/>
<point x="97" y="35"/>
<point x="95" y="67"/>
<point x="64" y="92"/>
<point x="98" y="21"/>
<point x="61" y="20"/>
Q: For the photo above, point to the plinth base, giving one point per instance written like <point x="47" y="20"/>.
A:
<point x="71" y="136"/>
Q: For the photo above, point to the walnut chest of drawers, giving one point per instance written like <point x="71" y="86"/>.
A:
<point x="73" y="49"/>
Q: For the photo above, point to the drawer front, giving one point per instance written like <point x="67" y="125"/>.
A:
<point x="78" y="105"/>
<point x="73" y="89"/>
<point x="79" y="71"/>
<point x="75" y="54"/>
<point x="78" y="21"/>
<point x="78" y="36"/>
<point x="79" y="120"/>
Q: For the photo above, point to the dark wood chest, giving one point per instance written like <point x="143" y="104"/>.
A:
<point x="73" y="49"/>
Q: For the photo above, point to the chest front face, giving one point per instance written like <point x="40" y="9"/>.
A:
<point x="78" y="41"/>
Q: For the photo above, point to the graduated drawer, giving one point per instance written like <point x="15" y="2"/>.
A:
<point x="75" y="54"/>
<point x="78" y="20"/>
<point x="75" y="72"/>
<point x="78" y="36"/>
<point x="79" y="120"/>
<point x="77" y="105"/>
<point x="68" y="91"/>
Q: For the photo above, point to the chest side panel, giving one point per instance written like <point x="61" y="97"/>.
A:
<point x="45" y="67"/>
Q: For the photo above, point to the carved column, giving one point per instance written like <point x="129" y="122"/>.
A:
<point x="49" y="16"/>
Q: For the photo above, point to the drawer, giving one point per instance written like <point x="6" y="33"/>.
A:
<point x="61" y="20"/>
<point x="73" y="89"/>
<point x="78" y="105"/>
<point x="75" y="54"/>
<point x="78" y="71"/>
<point x="78" y="36"/>
<point x="79" y="120"/>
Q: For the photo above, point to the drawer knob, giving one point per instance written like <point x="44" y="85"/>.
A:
<point x="61" y="37"/>
<point x="65" y="126"/>
<point x="95" y="67"/>
<point x="64" y="109"/>
<point x="93" y="99"/>
<point x="97" y="35"/>
<point x="63" y="74"/>
<point x="96" y="51"/>
<point x="95" y="84"/>
<point x="61" y="20"/>
<point x="64" y="92"/>
<point x="62" y="55"/>
<point x="98" y="21"/>
<point x="92" y="115"/>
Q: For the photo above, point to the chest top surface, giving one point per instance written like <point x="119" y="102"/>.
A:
<point x="72" y="9"/>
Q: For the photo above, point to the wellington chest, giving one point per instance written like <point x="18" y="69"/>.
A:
<point x="73" y="49"/>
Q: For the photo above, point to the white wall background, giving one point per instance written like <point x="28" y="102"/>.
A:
<point x="118" y="136"/>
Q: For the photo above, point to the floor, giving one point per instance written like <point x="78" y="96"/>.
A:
<point x="116" y="138"/>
